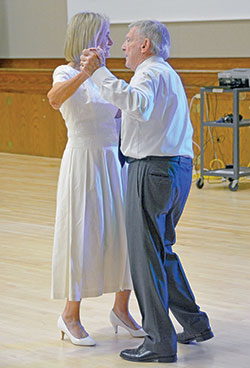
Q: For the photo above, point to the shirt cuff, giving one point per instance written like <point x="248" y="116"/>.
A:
<point x="100" y="75"/>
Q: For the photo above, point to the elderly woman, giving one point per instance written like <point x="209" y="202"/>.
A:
<point x="90" y="245"/>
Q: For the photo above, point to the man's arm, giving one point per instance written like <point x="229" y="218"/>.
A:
<point x="137" y="99"/>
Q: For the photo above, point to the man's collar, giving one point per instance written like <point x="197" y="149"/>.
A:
<point x="149" y="61"/>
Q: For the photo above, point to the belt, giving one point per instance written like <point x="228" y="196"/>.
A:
<point x="178" y="159"/>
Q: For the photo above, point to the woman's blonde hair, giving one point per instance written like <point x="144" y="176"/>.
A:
<point x="84" y="30"/>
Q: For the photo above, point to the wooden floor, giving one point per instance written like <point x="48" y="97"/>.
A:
<point x="213" y="242"/>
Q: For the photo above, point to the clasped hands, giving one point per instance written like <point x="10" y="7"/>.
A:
<point x="91" y="60"/>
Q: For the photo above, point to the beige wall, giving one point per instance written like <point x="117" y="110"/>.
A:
<point x="35" y="28"/>
<point x="199" y="39"/>
<point x="32" y="28"/>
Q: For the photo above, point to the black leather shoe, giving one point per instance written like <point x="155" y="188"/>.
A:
<point x="185" y="337"/>
<point x="141" y="354"/>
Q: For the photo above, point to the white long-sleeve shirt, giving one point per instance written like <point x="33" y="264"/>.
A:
<point x="155" y="113"/>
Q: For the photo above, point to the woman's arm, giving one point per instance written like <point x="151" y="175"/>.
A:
<point x="61" y="91"/>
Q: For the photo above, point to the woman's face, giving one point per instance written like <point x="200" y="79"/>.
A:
<point x="104" y="41"/>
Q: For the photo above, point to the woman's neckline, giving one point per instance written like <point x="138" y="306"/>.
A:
<point x="74" y="66"/>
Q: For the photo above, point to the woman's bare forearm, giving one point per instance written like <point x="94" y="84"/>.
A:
<point x="61" y="91"/>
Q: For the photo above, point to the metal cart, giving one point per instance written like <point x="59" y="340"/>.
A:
<point x="235" y="172"/>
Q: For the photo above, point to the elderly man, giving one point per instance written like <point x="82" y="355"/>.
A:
<point x="156" y="138"/>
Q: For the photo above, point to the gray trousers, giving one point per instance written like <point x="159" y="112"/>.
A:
<point x="158" y="188"/>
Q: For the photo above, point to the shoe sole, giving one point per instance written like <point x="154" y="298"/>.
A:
<point x="171" y="359"/>
<point x="198" y="338"/>
<point x="164" y="360"/>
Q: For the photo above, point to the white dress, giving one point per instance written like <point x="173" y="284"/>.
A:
<point x="90" y="247"/>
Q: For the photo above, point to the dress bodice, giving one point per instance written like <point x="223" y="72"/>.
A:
<point x="86" y="113"/>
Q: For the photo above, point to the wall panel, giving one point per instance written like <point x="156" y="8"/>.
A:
<point x="28" y="125"/>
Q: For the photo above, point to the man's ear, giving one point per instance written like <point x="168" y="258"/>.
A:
<point x="145" y="47"/>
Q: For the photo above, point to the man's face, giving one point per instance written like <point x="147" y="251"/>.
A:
<point x="132" y="48"/>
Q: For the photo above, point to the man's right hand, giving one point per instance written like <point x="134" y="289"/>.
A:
<point x="91" y="60"/>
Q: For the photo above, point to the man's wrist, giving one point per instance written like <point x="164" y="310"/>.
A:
<point x="97" y="76"/>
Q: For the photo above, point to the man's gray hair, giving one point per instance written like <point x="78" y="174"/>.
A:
<point x="158" y="35"/>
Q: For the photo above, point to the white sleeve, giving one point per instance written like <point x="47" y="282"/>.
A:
<point x="61" y="74"/>
<point x="137" y="99"/>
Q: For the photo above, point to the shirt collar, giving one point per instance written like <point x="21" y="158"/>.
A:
<point x="149" y="61"/>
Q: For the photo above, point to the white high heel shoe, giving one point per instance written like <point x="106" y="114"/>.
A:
<point x="84" y="341"/>
<point x="116" y="321"/>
